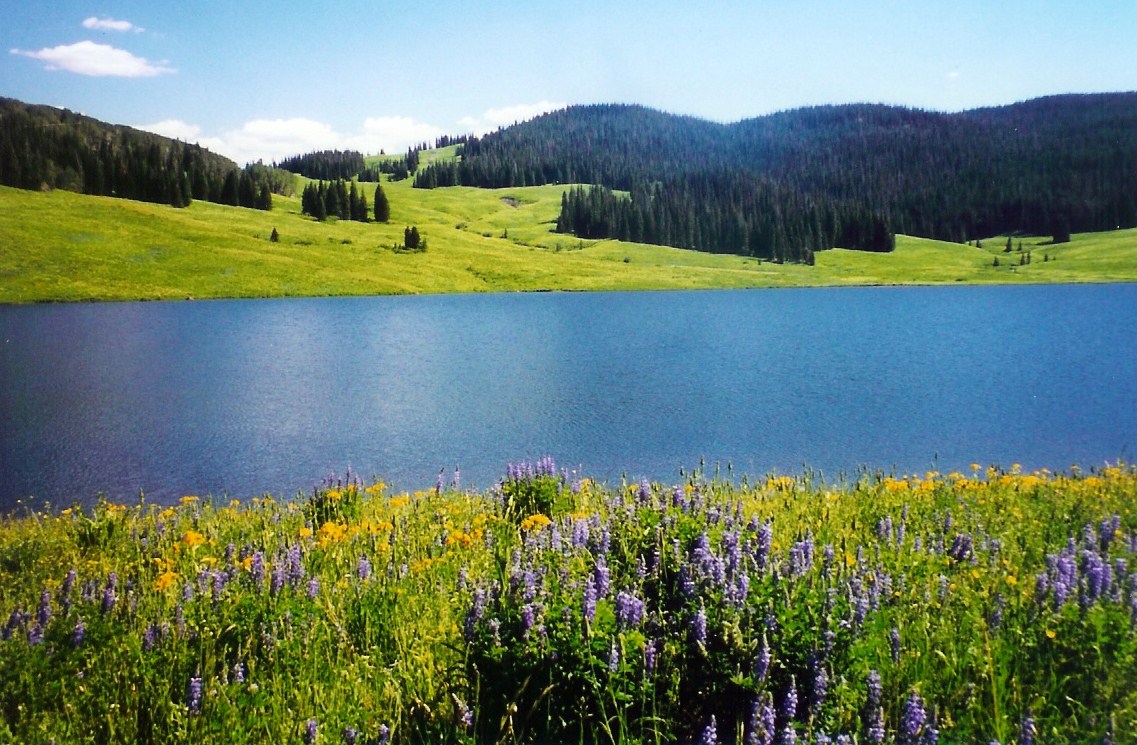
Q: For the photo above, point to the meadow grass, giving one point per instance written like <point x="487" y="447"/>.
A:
<point x="61" y="246"/>
<point x="991" y="606"/>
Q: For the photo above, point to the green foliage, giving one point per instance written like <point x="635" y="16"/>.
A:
<point x="633" y="613"/>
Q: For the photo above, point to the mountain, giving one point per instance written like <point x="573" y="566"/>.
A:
<point x="785" y="185"/>
<point x="43" y="147"/>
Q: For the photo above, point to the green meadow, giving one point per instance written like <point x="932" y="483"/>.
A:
<point x="61" y="246"/>
<point x="992" y="606"/>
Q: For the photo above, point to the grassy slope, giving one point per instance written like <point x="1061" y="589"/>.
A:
<point x="64" y="246"/>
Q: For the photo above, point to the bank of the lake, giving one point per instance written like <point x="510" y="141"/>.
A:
<point x="60" y="246"/>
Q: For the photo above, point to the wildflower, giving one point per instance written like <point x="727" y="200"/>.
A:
<point x="789" y="703"/>
<point x="650" y="647"/>
<point x="363" y="568"/>
<point x="277" y="582"/>
<point x="43" y="613"/>
<point x="166" y="580"/>
<point x="872" y="715"/>
<point x="350" y="735"/>
<point x="600" y="577"/>
<point x="475" y="612"/>
<point x="710" y="733"/>
<point x="589" y="602"/>
<point x="239" y="672"/>
<point x="313" y="588"/>
<point x="614" y="659"/>
<point x="193" y="695"/>
<point x="762" y="662"/>
<point x="820" y="686"/>
<point x="913" y="720"/>
<point x="384" y="734"/>
<point x="699" y="627"/>
<point x="311" y="731"/>
<point x="629" y="611"/>
<point x="78" y="633"/>
<point x="761" y="727"/>
<point x="1027" y="730"/>
<point x="894" y="643"/>
<point x="191" y="539"/>
<point x="35" y="635"/>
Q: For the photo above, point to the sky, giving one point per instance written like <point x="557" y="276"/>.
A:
<point x="258" y="80"/>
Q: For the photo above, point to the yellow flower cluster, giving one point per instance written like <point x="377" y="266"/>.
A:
<point x="535" y="522"/>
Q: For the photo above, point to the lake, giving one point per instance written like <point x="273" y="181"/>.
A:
<point x="244" y="397"/>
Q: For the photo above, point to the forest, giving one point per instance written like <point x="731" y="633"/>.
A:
<point x="42" y="147"/>
<point x="785" y="185"/>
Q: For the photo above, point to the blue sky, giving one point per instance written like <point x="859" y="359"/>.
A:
<point x="254" y="79"/>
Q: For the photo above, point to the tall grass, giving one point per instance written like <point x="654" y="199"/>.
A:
<point x="979" y="607"/>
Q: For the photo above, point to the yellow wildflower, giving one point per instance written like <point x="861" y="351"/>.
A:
<point x="535" y="522"/>
<point x="189" y="499"/>
<point x="305" y="532"/>
<point x="1051" y="633"/>
<point x="192" y="539"/>
<point x="166" y="580"/>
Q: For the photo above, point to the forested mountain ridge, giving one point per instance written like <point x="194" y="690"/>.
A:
<point x="47" y="147"/>
<point x="784" y="185"/>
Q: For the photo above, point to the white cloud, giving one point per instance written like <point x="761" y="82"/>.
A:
<point x="393" y="134"/>
<point x="492" y="119"/>
<point x="110" y="24"/>
<point x="274" y="139"/>
<point x="96" y="60"/>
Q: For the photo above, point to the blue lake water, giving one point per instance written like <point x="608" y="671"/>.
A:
<point x="250" y="396"/>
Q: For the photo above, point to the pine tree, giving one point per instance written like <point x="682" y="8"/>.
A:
<point x="382" y="208"/>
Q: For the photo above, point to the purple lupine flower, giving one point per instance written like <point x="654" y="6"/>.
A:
<point x="475" y="612"/>
<point x="589" y="602"/>
<point x="760" y="729"/>
<point x="699" y="627"/>
<point x="650" y="648"/>
<point x="579" y="534"/>
<point x="193" y="695"/>
<point x="894" y="644"/>
<point x="1027" y="730"/>
<point x="43" y="612"/>
<point x="35" y="635"/>
<point x="311" y="731"/>
<point x="65" y="591"/>
<point x="873" y="715"/>
<point x="148" y="637"/>
<point x="313" y="588"/>
<point x="762" y="544"/>
<point x="820" y="687"/>
<point x="257" y="568"/>
<point x="363" y="571"/>
<point x="614" y="658"/>
<point x="629" y="611"/>
<point x="788" y="735"/>
<point x="710" y="733"/>
<point x="350" y="735"/>
<point x="456" y="481"/>
<point x="788" y="709"/>
<point x="219" y="579"/>
<point x="384" y="734"/>
<point x="276" y="584"/>
<point x="912" y="720"/>
<point x="961" y="547"/>
<point x="528" y="618"/>
<point x="644" y="493"/>
<point x="295" y="565"/>
<point x="600" y="578"/>
<point x="239" y="672"/>
<point x="78" y="633"/>
<point x="762" y="662"/>
<point x="187" y="592"/>
<point x="884" y="529"/>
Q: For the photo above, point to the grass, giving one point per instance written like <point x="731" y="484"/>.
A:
<point x="61" y="246"/>
<point x="989" y="606"/>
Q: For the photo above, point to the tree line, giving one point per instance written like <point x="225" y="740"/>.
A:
<point x="824" y="176"/>
<point x="338" y="199"/>
<point x="44" y="147"/>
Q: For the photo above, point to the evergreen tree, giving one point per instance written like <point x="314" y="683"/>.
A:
<point x="382" y="208"/>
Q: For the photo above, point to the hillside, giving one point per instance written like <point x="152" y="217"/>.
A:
<point x="43" y="147"/>
<point x="786" y="185"/>
<point x="61" y="246"/>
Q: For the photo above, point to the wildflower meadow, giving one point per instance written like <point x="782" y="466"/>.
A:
<point x="992" y="606"/>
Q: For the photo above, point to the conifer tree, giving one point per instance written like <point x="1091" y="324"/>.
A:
<point x="382" y="208"/>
